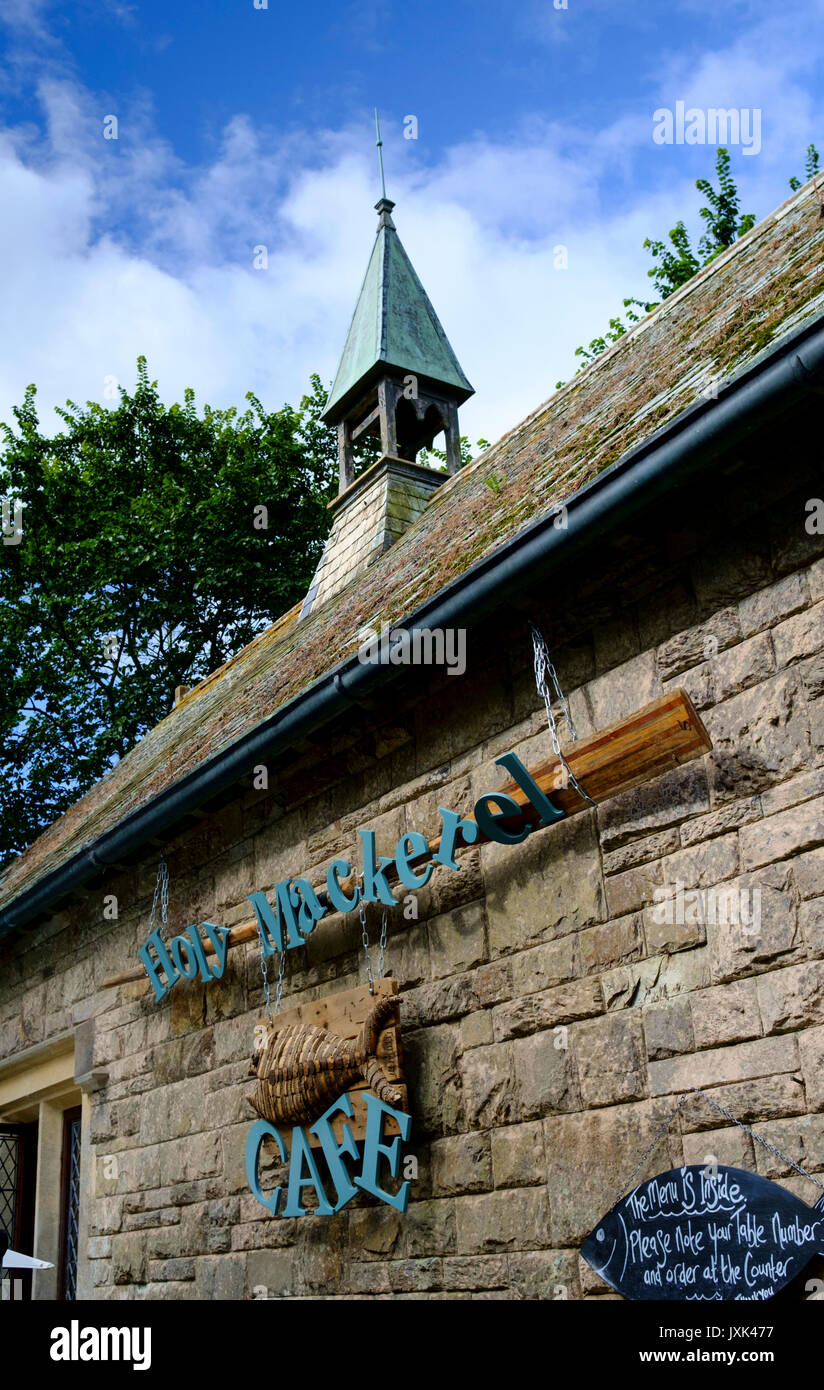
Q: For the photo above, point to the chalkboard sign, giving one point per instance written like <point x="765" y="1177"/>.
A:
<point x="705" y="1233"/>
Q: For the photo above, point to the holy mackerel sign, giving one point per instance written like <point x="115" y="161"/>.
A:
<point x="614" y="760"/>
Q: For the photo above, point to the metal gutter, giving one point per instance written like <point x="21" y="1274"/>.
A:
<point x="670" y="456"/>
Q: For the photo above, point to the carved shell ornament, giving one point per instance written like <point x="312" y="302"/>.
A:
<point x="302" y="1069"/>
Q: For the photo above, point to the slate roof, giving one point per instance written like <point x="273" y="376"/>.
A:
<point x="763" y="287"/>
<point x="394" y="325"/>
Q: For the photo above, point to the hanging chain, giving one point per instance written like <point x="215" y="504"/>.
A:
<point x="543" y="668"/>
<point x="267" y="989"/>
<point x="757" y="1137"/>
<point x="365" y="939"/>
<point x="279" y="987"/>
<point x="628" y="1187"/>
<point x="382" y="955"/>
<point x="161" y="894"/>
<point x="264" y="970"/>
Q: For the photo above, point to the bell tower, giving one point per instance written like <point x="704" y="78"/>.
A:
<point x="400" y="384"/>
<point x="398" y="378"/>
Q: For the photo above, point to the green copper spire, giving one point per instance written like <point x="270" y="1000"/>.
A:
<point x="393" y="327"/>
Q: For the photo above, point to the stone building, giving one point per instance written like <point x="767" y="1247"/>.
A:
<point x="659" y="519"/>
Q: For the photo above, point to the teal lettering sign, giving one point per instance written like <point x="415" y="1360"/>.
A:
<point x="183" y="958"/>
<point x="341" y="1187"/>
<point x="298" y="907"/>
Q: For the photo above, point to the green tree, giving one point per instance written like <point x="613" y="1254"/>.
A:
<point x="677" y="262"/>
<point x="811" y="167"/>
<point x="723" y="224"/>
<point x="156" y="542"/>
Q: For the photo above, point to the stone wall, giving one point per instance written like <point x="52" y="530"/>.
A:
<point x="551" y="1018"/>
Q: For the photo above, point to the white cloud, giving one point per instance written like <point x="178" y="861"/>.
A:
<point x="111" y="249"/>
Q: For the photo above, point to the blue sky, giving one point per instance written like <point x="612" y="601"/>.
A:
<point x="240" y="127"/>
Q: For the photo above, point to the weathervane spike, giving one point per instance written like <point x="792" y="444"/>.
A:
<point x="379" y="144"/>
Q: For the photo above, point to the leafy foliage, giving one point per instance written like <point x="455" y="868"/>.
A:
<point x="812" y="165"/>
<point x="677" y="262"/>
<point x="143" y="564"/>
<point x="426" y="455"/>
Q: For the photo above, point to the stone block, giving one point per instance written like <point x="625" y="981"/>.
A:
<point x="369" y="1278"/>
<point x="703" y="865"/>
<point x="641" y="851"/>
<point x="811" y="924"/>
<point x="769" y="606"/>
<point x="545" y="1075"/>
<point x="434" y="1079"/>
<point x="544" y="1274"/>
<point x="812" y="677"/>
<point x="729" y="817"/>
<point x="623" y="690"/>
<point x="800" y="1139"/>
<point x="792" y="998"/>
<point x="632" y="890"/>
<point x="805" y="787"/>
<point x="377" y="1233"/>
<point x="493" y="982"/>
<point x="668" y="931"/>
<point x="415" y="1275"/>
<point x="749" y="1101"/>
<point x="698" y="682"/>
<point x="776" y="837"/>
<point x="461" y="1163"/>
<point x="430" y="1228"/>
<point x="488" y="1086"/>
<point x="808" y="871"/>
<point x="652" y="807"/>
<point x="518" y="1155"/>
<point x="129" y="1259"/>
<point x="742" y="666"/>
<point x="543" y="966"/>
<point x="476" y="1029"/>
<point x="611" y="1061"/>
<point x="171" y="1271"/>
<point x="723" y="574"/>
<point x="516" y="1219"/>
<point x="742" y="1062"/>
<point x="698" y="643"/>
<point x="731" y="1147"/>
<point x="457" y="940"/>
<point x="655" y="980"/>
<point x="759" y="737"/>
<point x="668" y="1029"/>
<point x="726" y="1013"/>
<point x="475" y="1272"/>
<point x="548" y="1009"/>
<point x="610" y="944"/>
<point x="755" y="923"/>
<point x="800" y="636"/>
